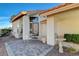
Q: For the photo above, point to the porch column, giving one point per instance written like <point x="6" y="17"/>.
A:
<point x="26" y="27"/>
<point x="40" y="26"/>
<point x="41" y="18"/>
<point x="50" y="31"/>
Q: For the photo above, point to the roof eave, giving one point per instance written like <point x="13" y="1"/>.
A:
<point x="19" y="16"/>
<point x="60" y="9"/>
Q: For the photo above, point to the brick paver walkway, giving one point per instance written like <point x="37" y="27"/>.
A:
<point x="3" y="51"/>
<point x="53" y="52"/>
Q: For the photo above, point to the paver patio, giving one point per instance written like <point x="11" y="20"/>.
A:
<point x="27" y="48"/>
<point x="53" y="52"/>
<point x="3" y="51"/>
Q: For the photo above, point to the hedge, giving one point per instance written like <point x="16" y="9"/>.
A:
<point x="72" y="38"/>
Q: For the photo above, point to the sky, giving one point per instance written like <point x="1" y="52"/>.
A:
<point x="9" y="9"/>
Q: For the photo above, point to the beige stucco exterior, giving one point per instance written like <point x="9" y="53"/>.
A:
<point x="43" y="28"/>
<point x="61" y="23"/>
<point x="52" y="24"/>
<point x="47" y="30"/>
<point x="17" y="27"/>
<point x="21" y="26"/>
<point x="67" y="22"/>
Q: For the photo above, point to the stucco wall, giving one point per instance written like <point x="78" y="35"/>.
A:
<point x="67" y="22"/>
<point x="43" y="29"/>
<point x="35" y="28"/>
<point x="16" y="26"/>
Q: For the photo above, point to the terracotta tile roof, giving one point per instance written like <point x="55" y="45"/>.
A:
<point x="26" y="12"/>
<point x="35" y="11"/>
<point x="14" y="18"/>
<point x="62" y="5"/>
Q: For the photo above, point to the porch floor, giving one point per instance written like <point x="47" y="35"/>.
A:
<point x="27" y="48"/>
<point x="35" y="44"/>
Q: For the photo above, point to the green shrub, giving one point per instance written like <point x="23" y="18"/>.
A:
<point x="5" y="32"/>
<point x="68" y="37"/>
<point x="72" y="38"/>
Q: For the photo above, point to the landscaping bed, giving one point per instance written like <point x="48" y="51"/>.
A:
<point x="71" y="42"/>
<point x="71" y="46"/>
